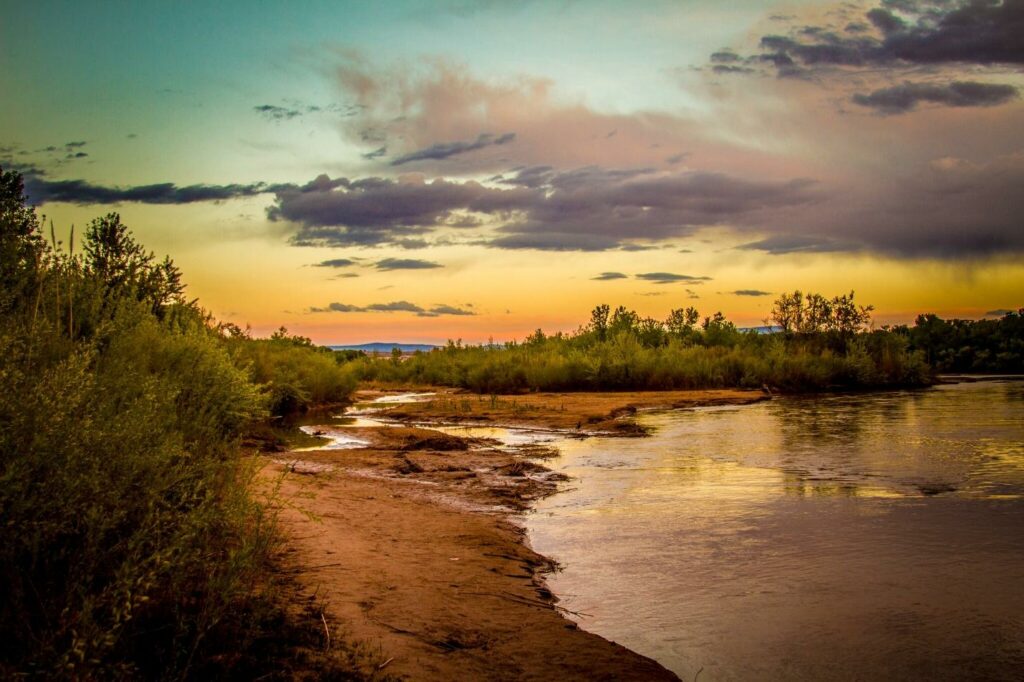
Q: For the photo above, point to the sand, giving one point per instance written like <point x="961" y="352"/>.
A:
<point x="413" y="542"/>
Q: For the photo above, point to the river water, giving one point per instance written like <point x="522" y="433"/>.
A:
<point x="872" y="536"/>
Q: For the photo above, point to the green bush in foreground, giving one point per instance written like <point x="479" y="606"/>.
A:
<point x="130" y="543"/>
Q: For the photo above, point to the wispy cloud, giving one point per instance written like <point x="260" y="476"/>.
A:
<point x="444" y="150"/>
<point x="605" y="276"/>
<point x="750" y="292"/>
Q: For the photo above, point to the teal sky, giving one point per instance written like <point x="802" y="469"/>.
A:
<point x="744" y="148"/>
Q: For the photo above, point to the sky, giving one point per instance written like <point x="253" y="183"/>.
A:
<point x="423" y="171"/>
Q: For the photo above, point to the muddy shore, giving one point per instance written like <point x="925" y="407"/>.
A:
<point x="412" y="539"/>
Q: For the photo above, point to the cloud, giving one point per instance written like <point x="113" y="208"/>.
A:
<point x="670" y="278"/>
<point x="337" y="308"/>
<point x="411" y="244"/>
<point x="379" y="210"/>
<point x="750" y="292"/>
<point x="975" y="32"/>
<point x="395" y="307"/>
<point x="450" y="310"/>
<point x="375" y="154"/>
<point x="605" y="276"/>
<point x="905" y="97"/>
<point x="553" y="241"/>
<point x="999" y="312"/>
<point x="336" y="263"/>
<point x="411" y="107"/>
<point x="444" y="150"/>
<point x="406" y="264"/>
<point x="276" y="113"/>
<point x="906" y="33"/>
<point x="793" y="243"/>
<point x="41" y="190"/>
<point x="585" y="209"/>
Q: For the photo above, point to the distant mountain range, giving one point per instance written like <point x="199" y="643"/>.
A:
<point x="380" y="347"/>
<point x="769" y="329"/>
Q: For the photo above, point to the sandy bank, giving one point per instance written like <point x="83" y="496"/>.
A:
<point x="412" y="540"/>
<point x="585" y="412"/>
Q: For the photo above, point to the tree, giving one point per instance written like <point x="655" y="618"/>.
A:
<point x="623" y="320"/>
<point x="787" y="312"/>
<point x="21" y="245"/>
<point x="680" y="322"/>
<point x="599" y="321"/>
<point x="847" y="317"/>
<point x="125" y="268"/>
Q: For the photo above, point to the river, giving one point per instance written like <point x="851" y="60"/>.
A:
<point x="872" y="536"/>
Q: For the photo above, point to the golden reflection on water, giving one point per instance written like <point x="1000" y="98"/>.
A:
<point x="841" y="537"/>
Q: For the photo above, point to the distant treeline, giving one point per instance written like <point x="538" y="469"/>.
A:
<point x="824" y="344"/>
<point x="131" y="546"/>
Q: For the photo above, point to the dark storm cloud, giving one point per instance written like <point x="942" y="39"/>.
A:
<point x="445" y="150"/>
<point x="982" y="32"/>
<point x="375" y="154"/>
<point x="406" y="264"/>
<point x="606" y="276"/>
<point x="585" y="209"/>
<point x="750" y="292"/>
<point x="395" y="307"/>
<point x="670" y="278"/>
<point x="902" y="98"/>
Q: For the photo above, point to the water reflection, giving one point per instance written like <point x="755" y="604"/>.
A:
<point x="871" y="536"/>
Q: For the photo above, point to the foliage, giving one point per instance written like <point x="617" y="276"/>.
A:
<point x="969" y="345"/>
<point x="619" y="350"/>
<point x="130" y="545"/>
<point x="296" y="373"/>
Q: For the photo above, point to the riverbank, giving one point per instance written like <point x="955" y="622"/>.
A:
<point x="413" y="539"/>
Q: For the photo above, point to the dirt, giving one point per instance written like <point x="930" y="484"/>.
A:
<point x="584" y="412"/>
<point x="413" y="542"/>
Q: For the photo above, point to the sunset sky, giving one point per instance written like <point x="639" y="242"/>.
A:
<point x="418" y="171"/>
